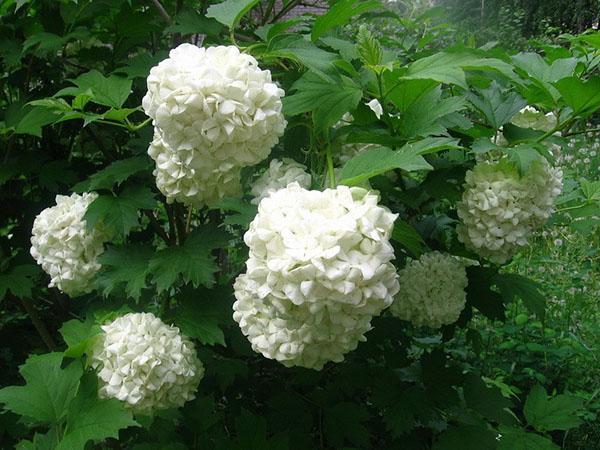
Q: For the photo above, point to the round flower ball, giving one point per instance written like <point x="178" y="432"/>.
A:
<point x="64" y="247"/>
<point x="279" y="174"/>
<point x="146" y="363"/>
<point x="542" y="183"/>
<point x="185" y="176"/>
<point x="432" y="290"/>
<point x="319" y="269"/>
<point x="216" y="101"/>
<point x="494" y="223"/>
<point x="530" y="117"/>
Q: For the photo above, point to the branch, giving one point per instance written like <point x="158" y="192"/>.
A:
<point x="156" y="226"/>
<point x="163" y="12"/>
<point x="38" y="324"/>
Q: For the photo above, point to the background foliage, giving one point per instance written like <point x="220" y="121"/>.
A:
<point x="517" y="371"/>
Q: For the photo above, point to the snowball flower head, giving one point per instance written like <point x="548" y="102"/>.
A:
<point x="184" y="175"/>
<point x="494" y="223"/>
<point x="432" y="290"/>
<point x="318" y="270"/>
<point x="279" y="174"/>
<point x="146" y="363"/>
<point x="64" y="247"/>
<point x="216" y="101"/>
<point x="529" y="117"/>
<point x="500" y="208"/>
<point x="543" y="183"/>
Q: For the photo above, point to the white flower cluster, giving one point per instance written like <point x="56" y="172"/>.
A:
<point x="279" y="174"/>
<point x="529" y="117"/>
<point x="185" y="176"/>
<point x="146" y="363"/>
<point x="214" y="111"/>
<point x="319" y="269"/>
<point x="64" y="247"/>
<point x="543" y="184"/>
<point x="432" y="290"/>
<point x="499" y="209"/>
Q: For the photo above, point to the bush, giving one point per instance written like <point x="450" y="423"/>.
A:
<point x="149" y="337"/>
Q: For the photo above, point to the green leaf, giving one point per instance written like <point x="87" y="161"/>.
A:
<point x="245" y="212"/>
<point x="554" y="413"/>
<point x="200" y="314"/>
<point x="56" y="173"/>
<point x="48" y="389"/>
<point x="296" y="48"/>
<point x="192" y="22"/>
<point x="120" y="213"/>
<point x="230" y="12"/>
<point x="125" y="264"/>
<point x="450" y="68"/>
<point x="107" y="91"/>
<point x="35" y="119"/>
<point x="514" y="134"/>
<point x="535" y="67"/>
<point x="139" y="66"/>
<point x="344" y="422"/>
<point x="19" y="280"/>
<point x="512" y="285"/>
<point x="403" y="93"/>
<point x="487" y="401"/>
<point x="368" y="47"/>
<point x="192" y="260"/>
<point x="408" y="237"/>
<point x="379" y="160"/>
<point x="90" y="418"/>
<point x="480" y="293"/>
<point x="421" y="118"/>
<point x="582" y="96"/>
<point x="327" y="100"/>
<point x="44" y="43"/>
<point x="269" y="31"/>
<point x="115" y="173"/>
<point x="79" y="336"/>
<point x="466" y="437"/>
<point x="340" y="14"/>
<point x="497" y="104"/>
<point x="522" y="156"/>
<point x="519" y="439"/>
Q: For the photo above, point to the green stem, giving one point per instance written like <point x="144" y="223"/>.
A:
<point x="570" y="208"/>
<point x="592" y="130"/>
<point x="188" y="220"/>
<point x="330" y="170"/>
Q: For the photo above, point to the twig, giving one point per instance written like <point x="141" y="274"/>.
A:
<point x="172" y="227"/>
<point x="163" y="12"/>
<point x="100" y="145"/>
<point x="188" y="221"/>
<point x="156" y="226"/>
<point x="38" y="324"/>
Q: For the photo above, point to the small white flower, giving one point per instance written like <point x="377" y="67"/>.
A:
<point x="558" y="243"/>
<point x="432" y="290"/>
<point x="64" y="247"/>
<point x="375" y="107"/>
<point x="146" y="363"/>
<point x="279" y="174"/>
<point x="318" y="270"/>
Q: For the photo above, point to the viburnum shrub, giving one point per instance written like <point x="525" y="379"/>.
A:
<point x="253" y="231"/>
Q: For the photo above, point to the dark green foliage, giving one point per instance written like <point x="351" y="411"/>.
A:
<point x="506" y="375"/>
